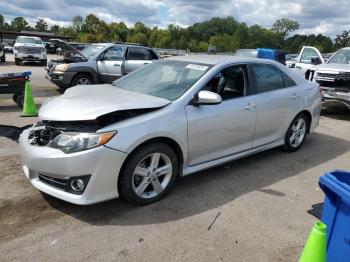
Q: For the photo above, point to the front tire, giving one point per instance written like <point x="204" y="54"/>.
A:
<point x="296" y="133"/>
<point x="148" y="174"/>
<point x="82" y="79"/>
<point x="17" y="61"/>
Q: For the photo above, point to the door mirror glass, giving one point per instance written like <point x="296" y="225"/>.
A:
<point x="208" y="98"/>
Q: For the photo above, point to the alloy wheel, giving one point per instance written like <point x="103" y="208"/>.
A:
<point x="83" y="81"/>
<point x="298" y="132"/>
<point x="152" y="175"/>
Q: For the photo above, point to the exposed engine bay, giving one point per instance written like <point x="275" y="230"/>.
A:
<point x="45" y="131"/>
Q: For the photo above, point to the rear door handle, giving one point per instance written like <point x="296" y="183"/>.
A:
<point x="116" y="64"/>
<point x="250" y="107"/>
<point x="298" y="67"/>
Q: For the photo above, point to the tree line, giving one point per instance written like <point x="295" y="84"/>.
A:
<point x="227" y="34"/>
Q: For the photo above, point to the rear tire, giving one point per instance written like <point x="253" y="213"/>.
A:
<point x="296" y="133"/>
<point x="82" y="79"/>
<point x="17" y="61"/>
<point x="156" y="179"/>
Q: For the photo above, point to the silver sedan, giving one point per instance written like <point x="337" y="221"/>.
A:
<point x="172" y="118"/>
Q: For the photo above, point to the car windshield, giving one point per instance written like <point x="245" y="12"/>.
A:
<point x="91" y="51"/>
<point x="29" y="40"/>
<point x="167" y="79"/>
<point x="341" y="57"/>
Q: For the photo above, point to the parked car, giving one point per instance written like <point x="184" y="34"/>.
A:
<point x="8" y="48"/>
<point x="29" y="49"/>
<point x="97" y="63"/>
<point x="246" y="53"/>
<point x="2" y="53"/>
<point x="266" y="53"/>
<point x="172" y="118"/>
<point x="212" y="50"/>
<point x="334" y="79"/>
<point x="307" y="58"/>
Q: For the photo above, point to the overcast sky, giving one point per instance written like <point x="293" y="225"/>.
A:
<point x="328" y="17"/>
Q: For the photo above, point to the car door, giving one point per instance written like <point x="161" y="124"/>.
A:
<point x="278" y="100"/>
<point x="109" y="64"/>
<point x="136" y="57"/>
<point x="217" y="131"/>
<point x="308" y="57"/>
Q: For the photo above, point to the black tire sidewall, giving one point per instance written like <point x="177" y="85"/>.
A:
<point x="125" y="180"/>
<point x="287" y="145"/>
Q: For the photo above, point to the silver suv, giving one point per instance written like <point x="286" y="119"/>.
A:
<point x="97" y="63"/>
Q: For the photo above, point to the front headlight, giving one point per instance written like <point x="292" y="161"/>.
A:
<point x="61" y="67"/>
<point x="71" y="142"/>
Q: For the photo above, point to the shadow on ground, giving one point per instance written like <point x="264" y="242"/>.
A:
<point x="214" y="187"/>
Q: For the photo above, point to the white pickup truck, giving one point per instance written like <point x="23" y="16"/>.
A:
<point x="29" y="49"/>
<point x="333" y="77"/>
<point x="308" y="57"/>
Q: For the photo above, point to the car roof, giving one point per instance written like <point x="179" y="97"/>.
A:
<point x="215" y="59"/>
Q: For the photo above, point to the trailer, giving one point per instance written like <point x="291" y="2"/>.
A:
<point x="14" y="84"/>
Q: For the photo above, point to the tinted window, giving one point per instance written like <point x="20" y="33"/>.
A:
<point x="267" y="78"/>
<point x="114" y="54"/>
<point x="138" y="53"/>
<point x="154" y="56"/>
<point x="229" y="83"/>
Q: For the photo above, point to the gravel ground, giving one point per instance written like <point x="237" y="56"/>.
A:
<point x="259" y="206"/>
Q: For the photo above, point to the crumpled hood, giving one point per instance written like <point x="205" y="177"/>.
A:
<point x="335" y="68"/>
<point x="92" y="101"/>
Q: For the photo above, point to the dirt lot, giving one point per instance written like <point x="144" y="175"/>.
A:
<point x="261" y="204"/>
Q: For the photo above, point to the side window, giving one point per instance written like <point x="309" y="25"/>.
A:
<point x="267" y="78"/>
<point x="114" y="54"/>
<point x="138" y="53"/>
<point x="229" y="83"/>
<point x="288" y="82"/>
<point x="307" y="55"/>
<point x="153" y="55"/>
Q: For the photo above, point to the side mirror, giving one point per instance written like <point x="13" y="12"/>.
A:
<point x="102" y="58"/>
<point x="316" y="61"/>
<point x="207" y="98"/>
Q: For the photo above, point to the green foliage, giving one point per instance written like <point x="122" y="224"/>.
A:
<point x="285" y="26"/>
<point x="227" y="34"/>
<point x="343" y="39"/>
<point x="41" y="25"/>
<point x="19" y="24"/>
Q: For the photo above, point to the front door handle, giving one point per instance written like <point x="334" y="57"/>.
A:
<point x="116" y="64"/>
<point x="298" y="67"/>
<point x="250" y="107"/>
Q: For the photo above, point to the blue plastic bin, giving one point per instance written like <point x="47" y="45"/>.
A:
<point x="336" y="214"/>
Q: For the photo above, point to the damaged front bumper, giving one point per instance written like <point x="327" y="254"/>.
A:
<point x="332" y="97"/>
<point x="52" y="171"/>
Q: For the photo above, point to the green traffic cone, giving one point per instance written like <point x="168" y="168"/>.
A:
<point x="29" y="108"/>
<point x="315" y="247"/>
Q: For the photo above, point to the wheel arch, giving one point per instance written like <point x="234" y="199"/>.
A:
<point x="161" y="139"/>
<point x="309" y="118"/>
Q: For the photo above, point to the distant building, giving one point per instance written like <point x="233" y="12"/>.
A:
<point x="10" y="36"/>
